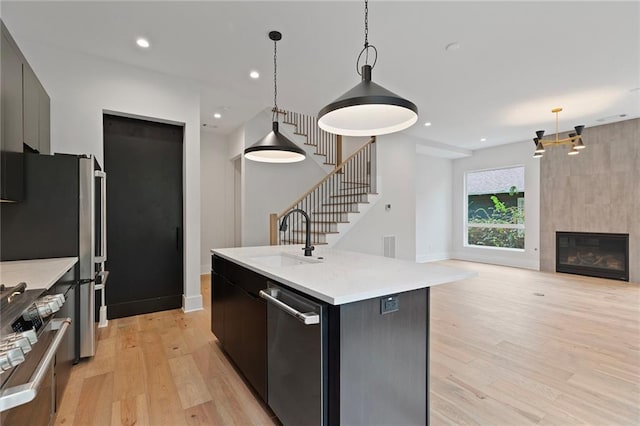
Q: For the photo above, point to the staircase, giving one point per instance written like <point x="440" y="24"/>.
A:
<point x="338" y="200"/>
<point x="326" y="144"/>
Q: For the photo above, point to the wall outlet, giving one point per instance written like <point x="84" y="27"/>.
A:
<point x="389" y="304"/>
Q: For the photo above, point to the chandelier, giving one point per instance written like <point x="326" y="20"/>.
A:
<point x="574" y="139"/>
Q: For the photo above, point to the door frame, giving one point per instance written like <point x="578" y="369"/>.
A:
<point x="189" y="302"/>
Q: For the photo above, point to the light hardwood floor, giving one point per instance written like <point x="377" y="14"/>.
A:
<point x="509" y="347"/>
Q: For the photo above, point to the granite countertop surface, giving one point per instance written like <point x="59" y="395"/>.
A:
<point x="37" y="273"/>
<point x="338" y="277"/>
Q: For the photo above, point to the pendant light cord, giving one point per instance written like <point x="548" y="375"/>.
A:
<point x="366" y="25"/>
<point x="367" y="46"/>
<point x="274" y="117"/>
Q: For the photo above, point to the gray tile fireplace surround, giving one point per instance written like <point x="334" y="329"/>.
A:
<point x="596" y="191"/>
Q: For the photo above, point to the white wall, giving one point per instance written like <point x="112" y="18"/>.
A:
<point x="396" y="167"/>
<point x="267" y="187"/>
<point x="217" y="197"/>
<point x="81" y="87"/>
<point x="434" y="209"/>
<point x="514" y="154"/>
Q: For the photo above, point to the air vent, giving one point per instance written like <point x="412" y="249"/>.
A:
<point x="610" y="118"/>
<point x="389" y="242"/>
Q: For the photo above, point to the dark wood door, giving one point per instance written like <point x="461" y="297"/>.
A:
<point x="143" y="162"/>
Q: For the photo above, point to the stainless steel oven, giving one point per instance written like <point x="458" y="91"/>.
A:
<point x="31" y="337"/>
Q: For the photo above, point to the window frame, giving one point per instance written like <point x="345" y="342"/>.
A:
<point x="466" y="225"/>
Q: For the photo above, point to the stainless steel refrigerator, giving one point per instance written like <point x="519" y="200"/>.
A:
<point x="63" y="214"/>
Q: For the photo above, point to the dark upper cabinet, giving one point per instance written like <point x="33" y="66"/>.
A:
<point x="12" y="168"/>
<point x="25" y="117"/>
<point x="44" y="122"/>
<point x="35" y="112"/>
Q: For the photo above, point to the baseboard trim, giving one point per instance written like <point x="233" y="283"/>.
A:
<point x="138" y="307"/>
<point x="205" y="269"/>
<point x="497" y="260"/>
<point x="192" y="303"/>
<point x="433" y="257"/>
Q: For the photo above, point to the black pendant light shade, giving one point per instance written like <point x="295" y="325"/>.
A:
<point x="367" y="110"/>
<point x="275" y="148"/>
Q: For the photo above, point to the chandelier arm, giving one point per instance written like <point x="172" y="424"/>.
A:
<point x="570" y="140"/>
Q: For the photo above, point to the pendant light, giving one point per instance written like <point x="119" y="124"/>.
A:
<point x="368" y="109"/>
<point x="275" y="147"/>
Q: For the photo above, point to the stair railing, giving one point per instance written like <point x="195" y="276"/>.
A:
<point x="325" y="143"/>
<point x="329" y="201"/>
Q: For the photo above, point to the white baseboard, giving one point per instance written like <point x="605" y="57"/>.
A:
<point x="433" y="257"/>
<point x="496" y="259"/>
<point x="192" y="303"/>
<point x="205" y="269"/>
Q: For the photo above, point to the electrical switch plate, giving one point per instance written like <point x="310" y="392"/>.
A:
<point x="389" y="304"/>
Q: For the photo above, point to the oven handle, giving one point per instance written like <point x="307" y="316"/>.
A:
<point x="22" y="394"/>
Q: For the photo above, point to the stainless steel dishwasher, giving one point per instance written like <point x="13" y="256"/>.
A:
<point x="294" y="357"/>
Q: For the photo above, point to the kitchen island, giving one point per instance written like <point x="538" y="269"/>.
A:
<point x="336" y="338"/>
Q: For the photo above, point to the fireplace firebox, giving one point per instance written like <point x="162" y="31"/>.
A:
<point x="593" y="254"/>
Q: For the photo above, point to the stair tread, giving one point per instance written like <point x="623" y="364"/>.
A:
<point x="336" y="213"/>
<point x="353" y="194"/>
<point x="302" y="231"/>
<point x="330" y="221"/>
<point x="345" y="203"/>
<point x="349" y="195"/>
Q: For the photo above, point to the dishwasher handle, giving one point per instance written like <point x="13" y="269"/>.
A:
<point x="307" y="318"/>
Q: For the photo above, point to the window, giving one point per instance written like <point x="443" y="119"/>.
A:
<point x="495" y="208"/>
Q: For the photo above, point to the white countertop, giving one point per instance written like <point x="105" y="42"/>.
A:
<point x="37" y="273"/>
<point x="343" y="276"/>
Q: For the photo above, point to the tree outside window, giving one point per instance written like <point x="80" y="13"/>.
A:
<point x="495" y="208"/>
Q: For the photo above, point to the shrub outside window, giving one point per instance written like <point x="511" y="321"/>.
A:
<point x="495" y="208"/>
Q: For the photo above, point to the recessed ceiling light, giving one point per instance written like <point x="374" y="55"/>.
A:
<point x="427" y="124"/>
<point x="483" y="139"/>
<point x="254" y="74"/>
<point x="143" y="42"/>
<point x="452" y="46"/>
<point x="217" y="115"/>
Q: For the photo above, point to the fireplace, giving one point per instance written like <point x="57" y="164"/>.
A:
<point x="592" y="254"/>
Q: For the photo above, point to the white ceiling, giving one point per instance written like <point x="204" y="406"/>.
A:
<point x="516" y="61"/>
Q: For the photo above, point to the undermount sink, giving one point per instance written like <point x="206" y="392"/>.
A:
<point x="284" y="259"/>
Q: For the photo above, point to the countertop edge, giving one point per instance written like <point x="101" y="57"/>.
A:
<point x="358" y="296"/>
<point x="46" y="272"/>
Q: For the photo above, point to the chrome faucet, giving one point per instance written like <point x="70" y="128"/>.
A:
<point x="308" y="248"/>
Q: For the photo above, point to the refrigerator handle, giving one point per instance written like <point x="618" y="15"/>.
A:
<point x="103" y="216"/>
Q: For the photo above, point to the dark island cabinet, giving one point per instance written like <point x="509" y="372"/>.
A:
<point x="238" y="319"/>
